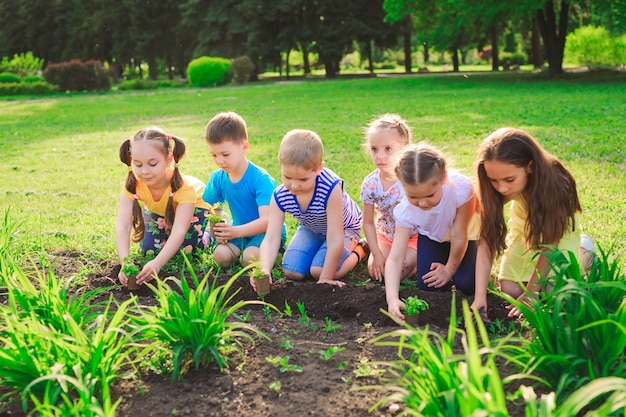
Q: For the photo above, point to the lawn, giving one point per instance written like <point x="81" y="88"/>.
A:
<point x="62" y="176"/>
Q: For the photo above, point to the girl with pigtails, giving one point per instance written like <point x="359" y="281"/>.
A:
<point x="173" y="209"/>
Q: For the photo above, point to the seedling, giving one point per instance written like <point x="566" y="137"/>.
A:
<point x="328" y="354"/>
<point x="244" y="318"/>
<point x="130" y="270"/>
<point x="262" y="281"/>
<point x="283" y="363"/>
<point x="216" y="213"/>
<point x="413" y="305"/>
<point x="268" y="313"/>
<point x="343" y="364"/>
<point x="276" y="386"/>
<point x="287" y="311"/>
<point x="330" y="326"/>
<point x="366" y="369"/>
<point x="286" y="343"/>
<point x="304" y="319"/>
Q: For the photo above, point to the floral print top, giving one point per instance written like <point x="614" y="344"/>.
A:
<point x="383" y="201"/>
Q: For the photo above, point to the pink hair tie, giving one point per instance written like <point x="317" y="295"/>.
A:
<point x="135" y="196"/>
<point x="171" y="194"/>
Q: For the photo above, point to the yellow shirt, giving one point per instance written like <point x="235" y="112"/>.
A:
<point x="190" y="192"/>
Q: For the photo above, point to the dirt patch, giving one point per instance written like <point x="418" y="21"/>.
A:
<point x="348" y="318"/>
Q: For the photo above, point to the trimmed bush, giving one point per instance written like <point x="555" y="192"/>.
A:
<point x="7" y="77"/>
<point x="513" y="58"/>
<point x="23" y="88"/>
<point x="76" y="75"/>
<point x="23" y="64"/>
<point x="208" y="71"/>
<point x="33" y="78"/>
<point x="242" y="68"/>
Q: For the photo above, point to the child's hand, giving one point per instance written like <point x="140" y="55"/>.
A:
<point x="224" y="232"/>
<point x="377" y="268"/>
<point x="481" y="307"/>
<point x="438" y="276"/>
<point x="331" y="282"/>
<point x="148" y="272"/>
<point x="123" y="278"/>
<point x="395" y="308"/>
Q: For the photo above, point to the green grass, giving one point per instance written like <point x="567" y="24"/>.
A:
<point x="62" y="177"/>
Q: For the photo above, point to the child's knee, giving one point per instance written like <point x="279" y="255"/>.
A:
<point x="294" y="276"/>
<point x="223" y="255"/>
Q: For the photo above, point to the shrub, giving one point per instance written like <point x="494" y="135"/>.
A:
<point x="242" y="68"/>
<point x="208" y="71"/>
<point x="22" y="64"/>
<point x="34" y="88"/>
<point x="7" y="77"/>
<point x="76" y="75"/>
<point x="33" y="78"/>
<point x="594" y="47"/>
<point x="513" y="58"/>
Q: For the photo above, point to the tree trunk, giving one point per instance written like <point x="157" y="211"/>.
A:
<point x="495" y="53"/>
<point x="408" y="31"/>
<point x="535" y="44"/>
<point x="370" y="56"/>
<point x="553" y="36"/>
<point x="305" y="57"/>
<point x="455" y="60"/>
<point x="287" y="63"/>
<point x="426" y="54"/>
<point x="152" y="68"/>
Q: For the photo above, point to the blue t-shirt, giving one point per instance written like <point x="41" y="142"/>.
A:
<point x="315" y="217"/>
<point x="244" y="198"/>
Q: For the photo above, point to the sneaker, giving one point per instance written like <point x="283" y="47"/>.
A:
<point x="587" y="251"/>
<point x="362" y="250"/>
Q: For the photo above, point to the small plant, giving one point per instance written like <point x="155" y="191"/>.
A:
<point x="343" y="364"/>
<point x="276" y="386"/>
<point x="245" y="317"/>
<point x="304" y="318"/>
<point x="268" y="312"/>
<point x="413" y="305"/>
<point x="330" y="326"/>
<point x="129" y="268"/>
<point x="366" y="369"/>
<point x="216" y="212"/>
<point x="283" y="364"/>
<point x="329" y="353"/>
<point x="287" y="311"/>
<point x="286" y="343"/>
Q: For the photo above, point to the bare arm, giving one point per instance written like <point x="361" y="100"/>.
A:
<point x="271" y="241"/>
<point x="334" y="236"/>
<point x="123" y="227"/>
<point x="377" y="268"/>
<point x="484" y="262"/>
<point x="393" y="270"/>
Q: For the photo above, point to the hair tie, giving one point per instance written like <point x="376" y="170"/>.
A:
<point x="175" y="164"/>
<point x="135" y="196"/>
<point x="130" y="168"/>
<point x="171" y="194"/>
<point x="171" y="142"/>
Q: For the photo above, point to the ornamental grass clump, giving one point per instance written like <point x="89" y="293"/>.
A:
<point x="197" y="325"/>
<point x="431" y="379"/>
<point x="578" y="328"/>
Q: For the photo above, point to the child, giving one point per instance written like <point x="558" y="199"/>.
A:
<point x="381" y="192"/>
<point x="246" y="188"/>
<point x="173" y="208"/>
<point x="442" y="206"/>
<point x="330" y="222"/>
<point x="512" y="166"/>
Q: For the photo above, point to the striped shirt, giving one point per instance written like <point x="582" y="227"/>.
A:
<point x="314" y="217"/>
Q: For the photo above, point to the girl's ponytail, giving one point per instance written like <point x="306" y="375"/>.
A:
<point x="178" y="149"/>
<point x="138" y="224"/>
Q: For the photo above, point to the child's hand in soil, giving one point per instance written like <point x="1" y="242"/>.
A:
<point x="149" y="271"/>
<point x="123" y="278"/>
<point x="395" y="308"/>
<point x="331" y="282"/>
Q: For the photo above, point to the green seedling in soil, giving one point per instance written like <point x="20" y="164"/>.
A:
<point x="286" y="343"/>
<point x="245" y="317"/>
<point x="268" y="313"/>
<point x="500" y="327"/>
<point x="347" y="379"/>
<point x="329" y="353"/>
<point x="408" y="284"/>
<point x="330" y="326"/>
<point x="368" y="325"/>
<point x="129" y="268"/>
<point x="343" y="364"/>
<point x="366" y="369"/>
<point x="276" y="386"/>
<point x="287" y="311"/>
<point x="283" y="364"/>
<point x="304" y="318"/>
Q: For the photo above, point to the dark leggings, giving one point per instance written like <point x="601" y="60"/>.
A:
<point x="155" y="237"/>
<point x="429" y="251"/>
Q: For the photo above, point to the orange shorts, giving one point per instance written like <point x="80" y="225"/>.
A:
<point x="382" y="240"/>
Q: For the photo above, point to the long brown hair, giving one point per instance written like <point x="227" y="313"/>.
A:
<point x="550" y="193"/>
<point x="168" y="145"/>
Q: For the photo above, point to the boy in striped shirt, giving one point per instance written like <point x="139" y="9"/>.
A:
<point x="326" y="243"/>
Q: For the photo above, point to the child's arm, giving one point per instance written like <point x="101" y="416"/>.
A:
<point x="393" y="270"/>
<point x="123" y="229"/>
<point x="542" y="269"/>
<point x="334" y="237"/>
<point x="182" y="221"/>
<point x="484" y="261"/>
<point x="225" y="232"/>
<point x="377" y="267"/>
<point x="271" y="242"/>
<point x="440" y="274"/>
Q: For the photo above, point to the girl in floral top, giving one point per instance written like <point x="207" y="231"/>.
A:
<point x="381" y="192"/>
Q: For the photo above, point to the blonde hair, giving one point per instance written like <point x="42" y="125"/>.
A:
<point x="392" y="122"/>
<point x="226" y="126"/>
<point x="420" y="163"/>
<point x="301" y="148"/>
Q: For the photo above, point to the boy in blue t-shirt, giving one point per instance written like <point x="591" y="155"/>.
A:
<point x="246" y="188"/>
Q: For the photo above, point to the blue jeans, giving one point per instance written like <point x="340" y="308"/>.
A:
<point x="308" y="249"/>
<point x="429" y="251"/>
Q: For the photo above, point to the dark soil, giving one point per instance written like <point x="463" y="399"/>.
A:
<point x="245" y="389"/>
